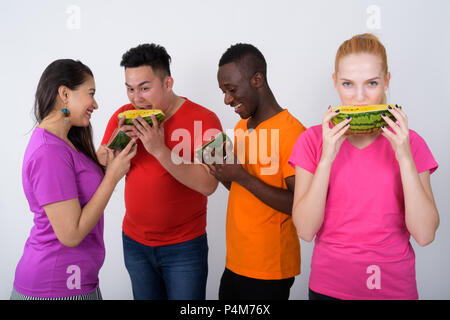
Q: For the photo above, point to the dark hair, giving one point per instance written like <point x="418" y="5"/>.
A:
<point x="69" y="73"/>
<point x="146" y="54"/>
<point x="254" y="59"/>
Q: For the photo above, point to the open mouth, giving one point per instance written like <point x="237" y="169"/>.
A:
<point x="145" y="107"/>
<point x="237" y="108"/>
<point x="89" y="113"/>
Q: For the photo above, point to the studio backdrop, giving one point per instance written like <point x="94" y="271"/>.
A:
<point x="299" y="40"/>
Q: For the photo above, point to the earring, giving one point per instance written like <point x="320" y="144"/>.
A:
<point x="65" y="112"/>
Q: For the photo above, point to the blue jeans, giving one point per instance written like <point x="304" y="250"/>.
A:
<point x="174" y="272"/>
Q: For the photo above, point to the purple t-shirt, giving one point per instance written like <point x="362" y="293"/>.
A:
<point x="53" y="171"/>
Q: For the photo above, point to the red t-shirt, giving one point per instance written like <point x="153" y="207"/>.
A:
<point x="159" y="209"/>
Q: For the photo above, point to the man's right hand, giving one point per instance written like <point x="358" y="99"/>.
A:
<point x="128" y="129"/>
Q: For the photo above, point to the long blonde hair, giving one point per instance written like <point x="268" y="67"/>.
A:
<point x="363" y="43"/>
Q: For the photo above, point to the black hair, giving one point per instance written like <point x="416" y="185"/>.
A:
<point x="72" y="74"/>
<point x="248" y="57"/>
<point x="152" y="55"/>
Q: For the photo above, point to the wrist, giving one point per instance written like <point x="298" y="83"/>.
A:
<point x="241" y="177"/>
<point x="109" y="179"/>
<point x="162" y="154"/>
<point x="325" y="162"/>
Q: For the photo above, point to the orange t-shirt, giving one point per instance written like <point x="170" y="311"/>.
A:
<point x="159" y="209"/>
<point x="262" y="242"/>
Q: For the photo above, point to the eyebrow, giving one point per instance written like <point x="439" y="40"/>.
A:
<point x="376" y="78"/>
<point x="140" y="84"/>
<point x="92" y="89"/>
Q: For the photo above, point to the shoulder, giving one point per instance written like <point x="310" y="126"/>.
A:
<point x="313" y="133"/>
<point x="291" y="123"/>
<point x="48" y="156"/>
<point x="195" y="107"/>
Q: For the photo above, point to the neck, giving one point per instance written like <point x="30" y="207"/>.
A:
<point x="267" y="108"/>
<point x="173" y="104"/>
<point x="55" y="124"/>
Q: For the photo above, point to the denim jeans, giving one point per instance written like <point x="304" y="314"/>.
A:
<point x="174" y="272"/>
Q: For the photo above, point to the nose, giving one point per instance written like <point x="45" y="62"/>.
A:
<point x="360" y="94"/>
<point x="95" y="105"/>
<point x="228" y="98"/>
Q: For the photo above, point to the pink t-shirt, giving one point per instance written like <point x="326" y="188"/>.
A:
<point x="362" y="250"/>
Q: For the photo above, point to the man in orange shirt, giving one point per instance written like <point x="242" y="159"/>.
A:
<point x="263" y="250"/>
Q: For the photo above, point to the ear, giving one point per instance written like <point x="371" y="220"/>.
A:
<point x="168" y="83"/>
<point x="257" y="80"/>
<point x="387" y="81"/>
<point x="63" y="94"/>
<point x="334" y="79"/>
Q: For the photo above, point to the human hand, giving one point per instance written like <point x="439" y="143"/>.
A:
<point x="128" y="129"/>
<point x="226" y="169"/>
<point x="118" y="162"/>
<point x="152" y="137"/>
<point x="332" y="137"/>
<point x="399" y="136"/>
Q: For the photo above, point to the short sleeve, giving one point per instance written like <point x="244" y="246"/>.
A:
<point x="211" y="126"/>
<point x="51" y="174"/>
<point x="288" y="144"/>
<point x="423" y="158"/>
<point x="307" y="150"/>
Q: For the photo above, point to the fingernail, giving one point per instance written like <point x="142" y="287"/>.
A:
<point x="337" y="111"/>
<point x="348" y="117"/>
<point x="389" y="107"/>
<point x="329" y="106"/>
<point x="383" y="114"/>
<point x="382" y="126"/>
<point x="396" y="106"/>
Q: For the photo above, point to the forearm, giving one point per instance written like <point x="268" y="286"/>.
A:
<point x="194" y="176"/>
<point x="309" y="204"/>
<point x="421" y="215"/>
<point x="277" y="198"/>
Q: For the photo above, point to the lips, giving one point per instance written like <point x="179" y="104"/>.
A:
<point x="237" y="108"/>
<point x="89" y="113"/>
<point x="144" y="107"/>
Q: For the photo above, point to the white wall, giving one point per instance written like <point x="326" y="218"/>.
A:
<point x="299" y="40"/>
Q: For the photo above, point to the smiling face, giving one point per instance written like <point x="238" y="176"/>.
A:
<point x="145" y="89"/>
<point x="81" y="103"/>
<point x="360" y="79"/>
<point x="238" y="91"/>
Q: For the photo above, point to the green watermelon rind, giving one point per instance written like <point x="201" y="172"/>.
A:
<point x="364" y="122"/>
<point x="159" y="116"/>
<point x="215" y="143"/>
<point x="120" y="141"/>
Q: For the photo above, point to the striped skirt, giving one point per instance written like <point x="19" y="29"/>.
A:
<point x="94" y="295"/>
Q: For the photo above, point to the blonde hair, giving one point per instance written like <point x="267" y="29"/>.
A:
<point x="363" y="43"/>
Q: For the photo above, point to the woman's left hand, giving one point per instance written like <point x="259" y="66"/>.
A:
<point x="399" y="136"/>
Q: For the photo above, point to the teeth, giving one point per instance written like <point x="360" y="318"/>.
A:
<point x="237" y="107"/>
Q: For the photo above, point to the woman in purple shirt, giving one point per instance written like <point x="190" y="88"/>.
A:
<point x="67" y="189"/>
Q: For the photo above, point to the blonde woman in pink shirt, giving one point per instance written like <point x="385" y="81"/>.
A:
<point x="361" y="197"/>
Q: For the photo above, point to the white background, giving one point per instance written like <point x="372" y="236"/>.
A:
<point x="299" y="40"/>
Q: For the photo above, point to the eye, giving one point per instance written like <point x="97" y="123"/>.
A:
<point x="144" y="89"/>
<point x="130" y="89"/>
<point x="373" y="83"/>
<point x="346" y="83"/>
